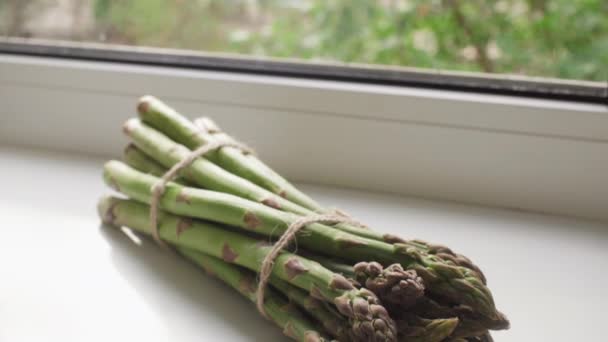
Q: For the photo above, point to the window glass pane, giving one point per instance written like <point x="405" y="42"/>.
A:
<point x="551" y="38"/>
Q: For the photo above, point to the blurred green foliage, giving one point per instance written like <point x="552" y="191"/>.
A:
<point x="551" y="38"/>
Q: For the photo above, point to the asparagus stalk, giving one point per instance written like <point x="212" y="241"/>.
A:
<point x="162" y="117"/>
<point x="368" y="320"/>
<point x="137" y="159"/>
<point x="454" y="283"/>
<point x="287" y="317"/>
<point x="202" y="172"/>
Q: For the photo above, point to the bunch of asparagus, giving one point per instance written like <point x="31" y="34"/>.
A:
<point x="345" y="283"/>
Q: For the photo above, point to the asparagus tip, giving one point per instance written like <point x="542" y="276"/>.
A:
<point x="392" y="284"/>
<point x="368" y="318"/>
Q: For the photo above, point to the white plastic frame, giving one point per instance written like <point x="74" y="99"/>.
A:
<point x="538" y="155"/>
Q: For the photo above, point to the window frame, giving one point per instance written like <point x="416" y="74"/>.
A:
<point x="532" y="154"/>
<point x="497" y="84"/>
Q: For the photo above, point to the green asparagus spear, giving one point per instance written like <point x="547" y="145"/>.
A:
<point x="454" y="283"/>
<point x="368" y="320"/>
<point x="287" y="317"/>
<point x="202" y="172"/>
<point x="162" y="117"/>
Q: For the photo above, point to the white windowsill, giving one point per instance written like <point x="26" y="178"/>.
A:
<point x="65" y="278"/>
